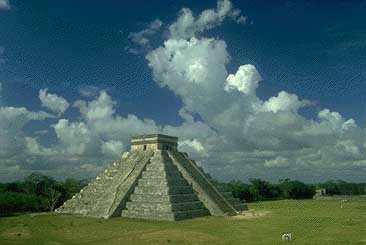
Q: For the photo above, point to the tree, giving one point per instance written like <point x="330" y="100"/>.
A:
<point x="331" y="187"/>
<point x="52" y="197"/>
<point x="38" y="183"/>
<point x="295" y="189"/>
<point x="264" y="190"/>
<point x="241" y="190"/>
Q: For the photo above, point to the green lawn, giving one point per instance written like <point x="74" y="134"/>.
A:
<point x="310" y="222"/>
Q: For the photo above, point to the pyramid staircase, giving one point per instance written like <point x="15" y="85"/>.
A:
<point x="107" y="195"/>
<point x="162" y="193"/>
<point x="207" y="191"/>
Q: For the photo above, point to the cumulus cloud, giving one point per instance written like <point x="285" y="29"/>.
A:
<point x="187" y="25"/>
<point x="192" y="146"/>
<point x="245" y="80"/>
<point x="93" y="140"/>
<point x="285" y="102"/>
<point x="53" y="102"/>
<point x="89" y="91"/>
<point x="12" y="122"/>
<point x="238" y="122"/>
<point x="113" y="148"/>
<point x="141" y="40"/>
<point x="74" y="136"/>
<point x="4" y="5"/>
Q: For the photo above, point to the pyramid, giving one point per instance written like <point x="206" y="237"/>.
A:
<point x="153" y="181"/>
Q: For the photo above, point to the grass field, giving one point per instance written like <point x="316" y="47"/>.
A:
<point x="309" y="221"/>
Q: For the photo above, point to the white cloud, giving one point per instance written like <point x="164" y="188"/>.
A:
<point x="191" y="69"/>
<point x="12" y="122"/>
<point x="53" y="102"/>
<point x="245" y="80"/>
<point x="4" y="5"/>
<point x="192" y="145"/>
<point x="284" y="102"/>
<point x="187" y="25"/>
<point x="100" y="108"/>
<point x="141" y="40"/>
<point x="75" y="137"/>
<point x="89" y="91"/>
<point x="113" y="148"/>
<point x="241" y="123"/>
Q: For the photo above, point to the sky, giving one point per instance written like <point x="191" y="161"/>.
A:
<point x="253" y="89"/>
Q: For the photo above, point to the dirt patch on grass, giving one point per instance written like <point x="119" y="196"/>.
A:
<point x="177" y="235"/>
<point x="16" y="233"/>
<point x="251" y="214"/>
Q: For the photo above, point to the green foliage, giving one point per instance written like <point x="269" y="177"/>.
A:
<point x="340" y="187"/>
<point x="38" y="184"/>
<point x="241" y="190"/>
<point x="296" y="189"/>
<point x="259" y="190"/>
<point x="264" y="190"/>
<point x="36" y="193"/>
<point x="18" y="201"/>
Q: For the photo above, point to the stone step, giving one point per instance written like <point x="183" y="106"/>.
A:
<point x="191" y="214"/>
<point x="167" y="177"/>
<point x="162" y="182"/>
<point x="156" y="167"/>
<point x="153" y="198"/>
<point x="148" y="215"/>
<point x="160" y="174"/>
<point x="171" y="216"/>
<point x="163" y="190"/>
<point x="160" y="158"/>
<point x="164" y="207"/>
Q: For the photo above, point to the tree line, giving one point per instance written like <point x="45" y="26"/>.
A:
<point x="260" y="190"/>
<point x="37" y="193"/>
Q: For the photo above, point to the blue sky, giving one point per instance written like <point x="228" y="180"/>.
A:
<point x="90" y="57"/>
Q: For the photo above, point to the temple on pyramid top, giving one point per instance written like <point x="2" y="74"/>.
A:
<point x="154" y="142"/>
<point x="153" y="181"/>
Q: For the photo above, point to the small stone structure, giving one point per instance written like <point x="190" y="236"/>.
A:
<point x="320" y="193"/>
<point x="153" y="181"/>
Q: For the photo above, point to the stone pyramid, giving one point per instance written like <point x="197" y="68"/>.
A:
<point x="153" y="181"/>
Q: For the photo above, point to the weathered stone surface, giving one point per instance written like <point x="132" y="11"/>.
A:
<point x="162" y="180"/>
<point x="153" y="182"/>
<point x="106" y="196"/>
<point x="213" y="199"/>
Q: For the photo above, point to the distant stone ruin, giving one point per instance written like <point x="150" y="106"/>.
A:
<point x="153" y="181"/>
<point x="320" y="193"/>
